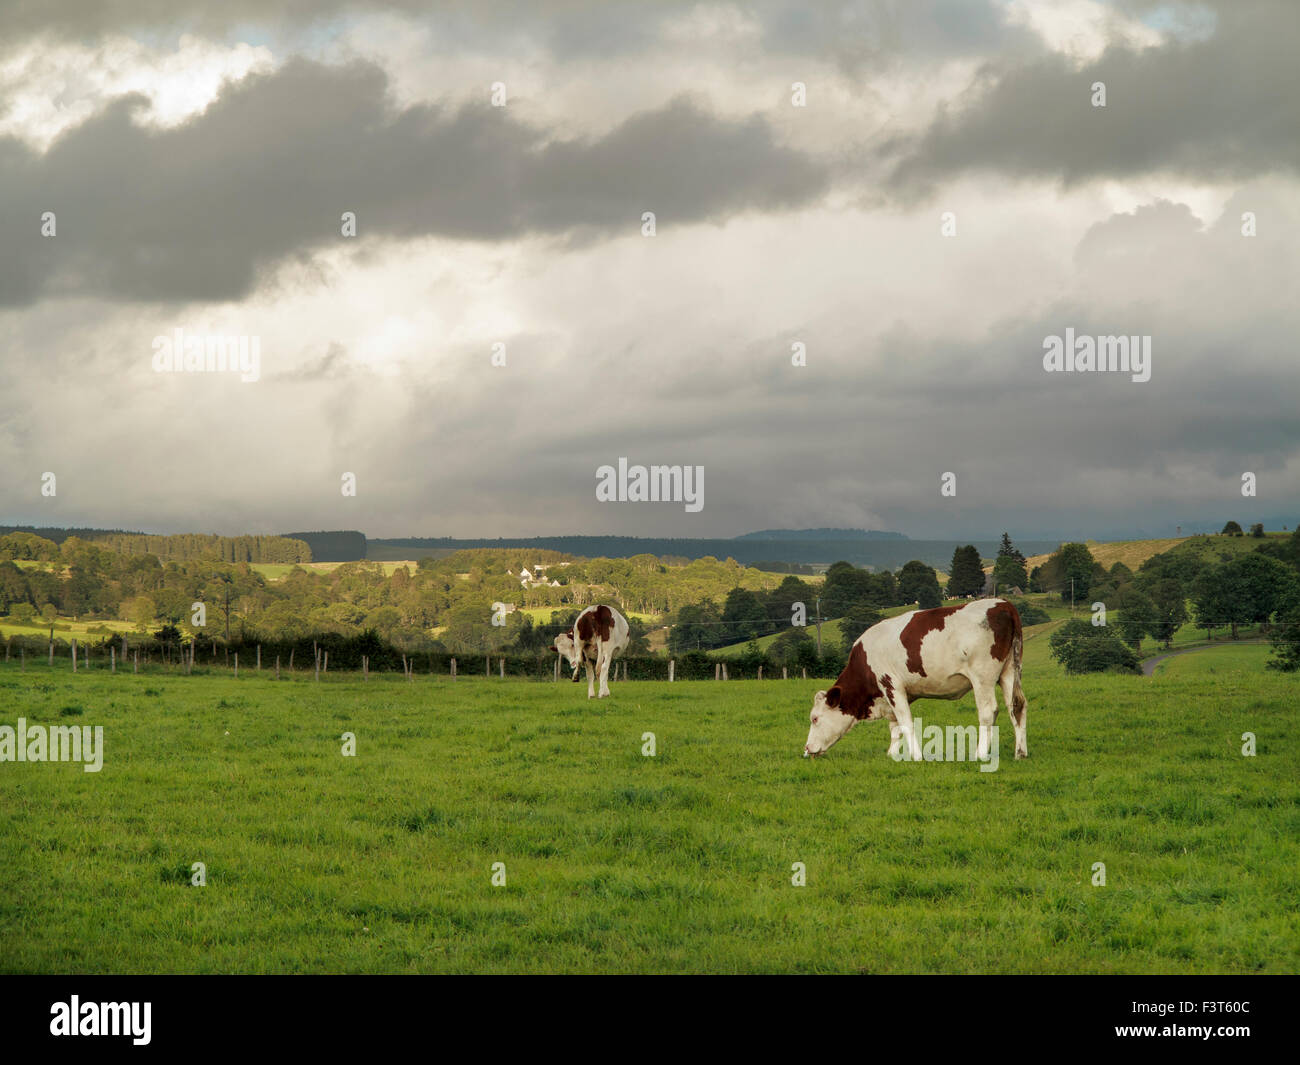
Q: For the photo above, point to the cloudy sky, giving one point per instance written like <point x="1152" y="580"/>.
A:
<point x="198" y="159"/>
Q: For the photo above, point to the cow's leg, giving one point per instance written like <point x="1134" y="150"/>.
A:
<point x="591" y="687"/>
<point x="895" y="737"/>
<point x="1014" y="697"/>
<point x="603" y="667"/>
<point x="986" y="704"/>
<point x="903" y="713"/>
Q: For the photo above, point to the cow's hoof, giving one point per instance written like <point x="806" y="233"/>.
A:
<point x="1022" y="754"/>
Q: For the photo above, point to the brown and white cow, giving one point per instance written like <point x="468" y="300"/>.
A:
<point x="926" y="654"/>
<point x="599" y="633"/>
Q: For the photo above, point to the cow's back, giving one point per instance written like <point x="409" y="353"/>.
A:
<point x="935" y="652"/>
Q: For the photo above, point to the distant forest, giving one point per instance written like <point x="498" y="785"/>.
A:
<point x="345" y="546"/>
<point x="195" y="547"/>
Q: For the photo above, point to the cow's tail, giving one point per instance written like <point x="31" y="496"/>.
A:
<point x="1017" y="692"/>
<point x="1016" y="705"/>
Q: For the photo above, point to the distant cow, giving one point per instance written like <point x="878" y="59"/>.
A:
<point x="926" y="654"/>
<point x="599" y="633"/>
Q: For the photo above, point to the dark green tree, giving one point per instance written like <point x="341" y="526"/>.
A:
<point x="845" y="585"/>
<point x="966" y="574"/>
<point x="857" y="619"/>
<point x="1076" y="572"/>
<point x="1171" y="609"/>
<point x="918" y="583"/>
<point x="743" y="616"/>
<point x="1082" y="647"/>
<point x="1137" y="618"/>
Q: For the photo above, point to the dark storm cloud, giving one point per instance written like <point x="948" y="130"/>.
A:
<point x="1222" y="107"/>
<point x="851" y="33"/>
<point x="859" y="36"/>
<point x="193" y="213"/>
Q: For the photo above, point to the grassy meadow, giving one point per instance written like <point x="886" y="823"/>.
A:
<point x="618" y="862"/>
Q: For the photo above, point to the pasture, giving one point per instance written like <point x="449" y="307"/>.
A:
<point x="618" y="862"/>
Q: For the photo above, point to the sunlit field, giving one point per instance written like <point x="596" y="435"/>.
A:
<point x="615" y="861"/>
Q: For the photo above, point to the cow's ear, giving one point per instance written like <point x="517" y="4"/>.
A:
<point x="555" y="649"/>
<point x="833" y="697"/>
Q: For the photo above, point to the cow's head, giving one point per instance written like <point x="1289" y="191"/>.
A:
<point x="858" y="695"/>
<point x="564" y="645"/>
<point x="827" y="723"/>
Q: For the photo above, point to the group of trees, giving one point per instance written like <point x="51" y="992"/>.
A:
<point x="440" y="603"/>
<point x="966" y="575"/>
<point x="1233" y="529"/>
<point x="1258" y="587"/>
<point x="458" y="603"/>
<point x="854" y="595"/>
<point x="27" y="545"/>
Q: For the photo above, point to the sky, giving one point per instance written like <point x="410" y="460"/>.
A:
<point x="868" y="220"/>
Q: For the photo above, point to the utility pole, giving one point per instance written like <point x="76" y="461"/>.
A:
<point x="819" y="626"/>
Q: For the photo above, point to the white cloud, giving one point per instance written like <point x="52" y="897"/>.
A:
<point x="49" y="88"/>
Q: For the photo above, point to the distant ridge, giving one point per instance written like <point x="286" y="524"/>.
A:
<point x="881" y="553"/>
<point x="821" y="534"/>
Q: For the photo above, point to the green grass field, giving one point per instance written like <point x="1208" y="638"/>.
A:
<point x="65" y="628"/>
<point x="619" y="862"/>
<point x="1228" y="658"/>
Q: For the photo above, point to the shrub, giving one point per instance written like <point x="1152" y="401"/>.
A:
<point x="1082" y="647"/>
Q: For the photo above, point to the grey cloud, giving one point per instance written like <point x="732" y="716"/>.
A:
<point x="1223" y="107"/>
<point x="852" y="34"/>
<point x="194" y="213"/>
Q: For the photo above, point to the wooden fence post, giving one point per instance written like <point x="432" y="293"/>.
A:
<point x="136" y="667"/>
<point x="760" y="672"/>
<point x="805" y="673"/>
<point x="277" y="667"/>
<point x="487" y="666"/>
<point x="112" y="659"/>
<point x="724" y="672"/>
<point x="453" y="669"/>
<point x="557" y="668"/>
<point x="74" y="654"/>
<point x="717" y="670"/>
<point x="325" y="668"/>
<point x="291" y="650"/>
<point x="259" y="658"/>
<point x="784" y="674"/>
<point x="672" y="668"/>
<point x="236" y="665"/>
<point x="501" y="666"/>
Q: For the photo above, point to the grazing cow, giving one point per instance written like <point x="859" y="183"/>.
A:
<point x="599" y="633"/>
<point x="926" y="654"/>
